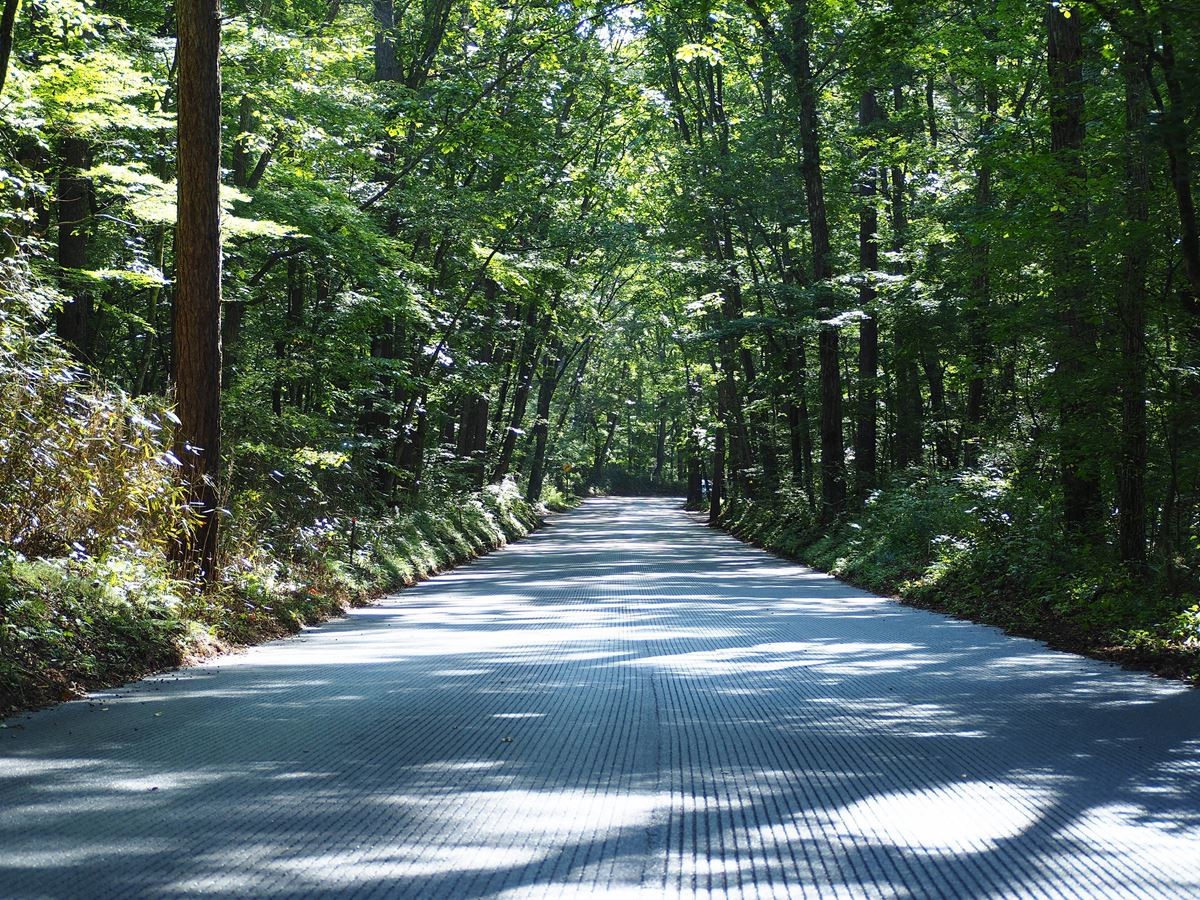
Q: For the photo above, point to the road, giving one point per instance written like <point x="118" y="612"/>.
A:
<point x="625" y="704"/>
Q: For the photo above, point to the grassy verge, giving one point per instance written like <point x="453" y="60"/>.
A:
<point x="963" y="546"/>
<point x="76" y="624"/>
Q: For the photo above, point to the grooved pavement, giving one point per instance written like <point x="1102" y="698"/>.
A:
<point x="624" y="704"/>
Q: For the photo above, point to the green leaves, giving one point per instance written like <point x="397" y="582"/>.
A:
<point x="706" y="52"/>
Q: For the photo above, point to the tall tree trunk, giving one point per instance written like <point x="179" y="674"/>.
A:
<point x="833" y="482"/>
<point x="473" y="430"/>
<point x="504" y="359"/>
<point x="601" y="461"/>
<point x="716" y="488"/>
<point x="799" y="430"/>
<point x="977" y="312"/>
<point x="524" y="385"/>
<point x="695" y="482"/>
<point x="908" y="447"/>
<point x="410" y="448"/>
<point x="931" y="111"/>
<point x="931" y="362"/>
<point x="741" y="450"/>
<point x="1131" y="473"/>
<point x="833" y="454"/>
<point x="387" y="68"/>
<point x="1175" y="134"/>
<point x="74" y="320"/>
<point x="1075" y="337"/>
<point x="866" y="434"/>
<point x="8" y="18"/>
<point x="197" y="336"/>
<point x="284" y="386"/>
<point x="552" y="366"/>
<point x="660" y="450"/>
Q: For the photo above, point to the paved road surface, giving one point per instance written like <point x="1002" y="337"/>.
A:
<point x="625" y="704"/>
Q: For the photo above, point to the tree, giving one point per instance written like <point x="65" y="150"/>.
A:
<point x="1074" y="334"/>
<point x="1132" y="310"/>
<point x="197" y="332"/>
<point x="8" y="18"/>
<point x="866" y="436"/>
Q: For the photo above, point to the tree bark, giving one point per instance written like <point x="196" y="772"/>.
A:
<point x="74" y="320"/>
<point x="8" y="19"/>
<point x="833" y="453"/>
<point x="601" y="461"/>
<point x="387" y="68"/>
<point x="908" y="447"/>
<point x="866" y="434"/>
<point x="473" y="434"/>
<point x="695" y="486"/>
<point x="1131" y="473"/>
<point x="833" y="482"/>
<point x="197" y="336"/>
<point x="1075" y="337"/>
<point x="799" y="432"/>
<point x="716" y="489"/>
<point x="552" y="367"/>
<point x="1175" y="133"/>
<point x="931" y="362"/>
<point x="981" y="290"/>
<point x="521" y="391"/>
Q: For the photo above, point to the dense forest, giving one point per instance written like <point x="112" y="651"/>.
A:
<point x="303" y="299"/>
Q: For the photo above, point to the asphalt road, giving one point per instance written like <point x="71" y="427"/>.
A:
<point x="624" y="704"/>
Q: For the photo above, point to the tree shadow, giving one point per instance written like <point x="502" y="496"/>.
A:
<point x="625" y="704"/>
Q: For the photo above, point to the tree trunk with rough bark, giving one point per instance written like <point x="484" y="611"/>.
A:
<point x="74" y="320"/>
<point x="866" y="434"/>
<point x="8" y="19"/>
<point x="1074" y="340"/>
<point x="980" y="300"/>
<point x="197" y="335"/>
<point x="833" y="453"/>
<point x="552" y="366"/>
<point x="1131" y="472"/>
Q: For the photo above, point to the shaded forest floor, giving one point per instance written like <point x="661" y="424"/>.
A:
<point x="947" y="544"/>
<point x="74" y="625"/>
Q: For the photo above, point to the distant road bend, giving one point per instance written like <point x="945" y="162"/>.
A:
<point x="626" y="704"/>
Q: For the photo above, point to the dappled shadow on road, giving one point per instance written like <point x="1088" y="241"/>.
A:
<point x="625" y="702"/>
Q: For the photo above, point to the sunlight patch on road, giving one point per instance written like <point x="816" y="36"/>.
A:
<point x="967" y="817"/>
<point x="29" y="858"/>
<point x="836" y="658"/>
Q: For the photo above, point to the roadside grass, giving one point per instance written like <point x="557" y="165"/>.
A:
<point x="70" y="625"/>
<point x="967" y="545"/>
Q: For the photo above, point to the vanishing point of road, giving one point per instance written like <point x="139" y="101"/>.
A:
<point x="625" y="704"/>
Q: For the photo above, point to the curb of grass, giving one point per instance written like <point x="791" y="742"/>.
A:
<point x="426" y="543"/>
<point x="1163" y="661"/>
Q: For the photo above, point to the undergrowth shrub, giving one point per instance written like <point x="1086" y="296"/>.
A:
<point x="984" y="547"/>
<point x="275" y="581"/>
<point x="66" y="624"/>
<point x="82" y="468"/>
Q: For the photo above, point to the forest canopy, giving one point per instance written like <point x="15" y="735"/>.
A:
<point x="908" y="289"/>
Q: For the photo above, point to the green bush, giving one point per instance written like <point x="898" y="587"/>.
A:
<point x="68" y="624"/>
<point x="82" y="469"/>
<point x="73" y="623"/>
<point x="981" y="546"/>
